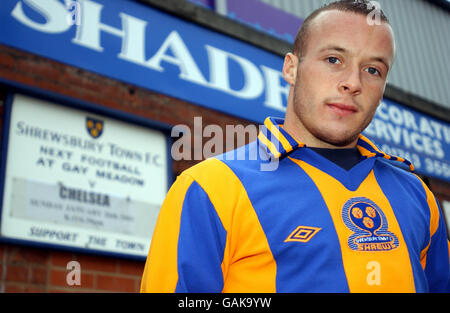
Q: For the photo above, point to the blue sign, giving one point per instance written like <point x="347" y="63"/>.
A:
<point x="423" y="140"/>
<point x="137" y="44"/>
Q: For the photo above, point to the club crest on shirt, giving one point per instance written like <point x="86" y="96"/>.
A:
<point x="369" y="226"/>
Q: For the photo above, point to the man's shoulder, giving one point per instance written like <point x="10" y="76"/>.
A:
<point x="395" y="168"/>
<point x="205" y="168"/>
<point x="210" y="173"/>
<point x="226" y="169"/>
<point x="402" y="175"/>
<point x="246" y="156"/>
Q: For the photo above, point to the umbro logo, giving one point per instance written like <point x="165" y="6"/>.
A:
<point x="302" y="234"/>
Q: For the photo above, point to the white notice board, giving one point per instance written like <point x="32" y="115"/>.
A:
<point x="81" y="180"/>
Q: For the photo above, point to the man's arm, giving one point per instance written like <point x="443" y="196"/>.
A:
<point x="436" y="262"/>
<point x="188" y="243"/>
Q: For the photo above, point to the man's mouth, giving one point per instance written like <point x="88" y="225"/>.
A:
<point x="342" y="109"/>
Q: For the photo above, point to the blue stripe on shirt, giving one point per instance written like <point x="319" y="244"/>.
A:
<point x="201" y="244"/>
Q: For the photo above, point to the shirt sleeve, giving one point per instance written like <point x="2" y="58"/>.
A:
<point x="437" y="264"/>
<point x="188" y="243"/>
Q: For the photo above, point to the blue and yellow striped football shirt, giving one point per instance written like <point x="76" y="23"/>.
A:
<point x="226" y="225"/>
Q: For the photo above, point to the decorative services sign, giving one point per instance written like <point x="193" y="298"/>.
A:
<point x="82" y="180"/>
<point x="422" y="139"/>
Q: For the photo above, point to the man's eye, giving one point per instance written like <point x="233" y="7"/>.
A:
<point x="373" y="71"/>
<point x="333" y="60"/>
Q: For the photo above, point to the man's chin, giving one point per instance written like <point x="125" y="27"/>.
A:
<point x="336" y="140"/>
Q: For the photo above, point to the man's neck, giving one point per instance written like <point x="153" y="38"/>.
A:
<point x="297" y="130"/>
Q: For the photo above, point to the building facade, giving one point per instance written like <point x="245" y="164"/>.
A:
<point x="104" y="103"/>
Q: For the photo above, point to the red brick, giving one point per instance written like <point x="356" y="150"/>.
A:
<point x="58" y="278"/>
<point x="44" y="69"/>
<point x="48" y="85"/>
<point x="131" y="267"/>
<point x="97" y="263"/>
<point x="15" y="273"/>
<point x="21" y="255"/>
<point x="441" y="187"/>
<point x="87" y="280"/>
<point x="441" y="198"/>
<point x="138" y="284"/>
<point x="116" y="284"/>
<point x="72" y="79"/>
<point x="33" y="289"/>
<point x="14" y="288"/>
<point x="59" y="290"/>
<point x="60" y="259"/>
<point x="38" y="275"/>
<point x="7" y="61"/>
<point x="17" y="77"/>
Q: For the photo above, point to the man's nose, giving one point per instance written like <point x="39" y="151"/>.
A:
<point x="351" y="81"/>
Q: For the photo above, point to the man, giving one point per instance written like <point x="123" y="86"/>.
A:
<point x="336" y="215"/>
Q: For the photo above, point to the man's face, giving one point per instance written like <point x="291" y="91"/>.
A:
<point x="340" y="80"/>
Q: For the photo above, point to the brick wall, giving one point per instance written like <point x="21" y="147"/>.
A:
<point x="25" y="269"/>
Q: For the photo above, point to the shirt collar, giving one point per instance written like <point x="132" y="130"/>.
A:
<point x="278" y="143"/>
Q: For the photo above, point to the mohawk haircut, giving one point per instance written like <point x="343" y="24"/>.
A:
<point x="362" y="7"/>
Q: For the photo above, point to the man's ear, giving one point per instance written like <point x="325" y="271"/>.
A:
<point x="290" y="68"/>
